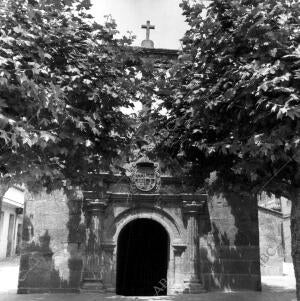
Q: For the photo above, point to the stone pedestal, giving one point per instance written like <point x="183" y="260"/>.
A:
<point x="109" y="267"/>
<point x="192" y="283"/>
<point x="178" y="277"/>
<point x="147" y="44"/>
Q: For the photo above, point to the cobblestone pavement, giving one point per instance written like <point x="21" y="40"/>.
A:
<point x="274" y="289"/>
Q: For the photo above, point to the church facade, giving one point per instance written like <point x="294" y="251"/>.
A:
<point x="140" y="232"/>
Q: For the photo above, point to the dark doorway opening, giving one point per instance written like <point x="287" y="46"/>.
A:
<point x="142" y="259"/>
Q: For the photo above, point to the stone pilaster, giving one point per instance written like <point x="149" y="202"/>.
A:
<point x="192" y="210"/>
<point x="94" y="263"/>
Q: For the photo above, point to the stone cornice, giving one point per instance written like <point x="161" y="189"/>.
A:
<point x="119" y="178"/>
<point x="273" y="212"/>
<point x="193" y="203"/>
<point x="108" y="246"/>
<point x="158" y="52"/>
<point x="95" y="199"/>
<point x="182" y="197"/>
<point x="95" y="205"/>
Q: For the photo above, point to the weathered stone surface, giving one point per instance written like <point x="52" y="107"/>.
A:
<point x="275" y="232"/>
<point x="51" y="257"/>
<point x="271" y="242"/>
<point x="229" y="247"/>
<point x="75" y="243"/>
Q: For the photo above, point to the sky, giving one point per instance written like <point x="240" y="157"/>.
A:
<point x="166" y="15"/>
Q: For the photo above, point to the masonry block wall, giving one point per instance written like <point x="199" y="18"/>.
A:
<point x="271" y="242"/>
<point x="55" y="240"/>
<point x="51" y="256"/>
<point x="229" y="243"/>
<point x="287" y="237"/>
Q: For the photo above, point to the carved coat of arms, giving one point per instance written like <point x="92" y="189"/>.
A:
<point x="145" y="176"/>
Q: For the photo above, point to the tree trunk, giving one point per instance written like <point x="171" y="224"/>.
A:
<point x="295" y="232"/>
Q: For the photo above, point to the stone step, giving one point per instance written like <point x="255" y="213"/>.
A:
<point x="91" y="291"/>
<point x="193" y="287"/>
<point x="92" y="285"/>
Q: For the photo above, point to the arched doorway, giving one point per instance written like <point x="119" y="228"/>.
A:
<point x="142" y="259"/>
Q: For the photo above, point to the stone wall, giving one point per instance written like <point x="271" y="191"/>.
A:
<point x="51" y="255"/>
<point x="282" y="206"/>
<point x="271" y="242"/>
<point x="287" y="239"/>
<point x="286" y="211"/>
<point x="229" y="244"/>
<point x="55" y="241"/>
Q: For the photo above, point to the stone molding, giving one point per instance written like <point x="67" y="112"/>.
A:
<point x="193" y="203"/>
<point x="179" y="248"/>
<point x="182" y="197"/>
<point x="108" y="246"/>
<point x="173" y="226"/>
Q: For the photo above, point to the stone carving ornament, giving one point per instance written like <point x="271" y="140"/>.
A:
<point x="145" y="176"/>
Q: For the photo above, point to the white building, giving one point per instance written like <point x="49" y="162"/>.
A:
<point x="11" y="220"/>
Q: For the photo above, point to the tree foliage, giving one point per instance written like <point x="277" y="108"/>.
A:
<point x="63" y="81"/>
<point x="234" y="96"/>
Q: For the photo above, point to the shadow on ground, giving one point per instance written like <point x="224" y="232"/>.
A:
<point x="274" y="289"/>
<point x="213" y="296"/>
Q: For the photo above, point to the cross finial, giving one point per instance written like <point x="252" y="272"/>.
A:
<point x="148" y="43"/>
<point x="148" y="26"/>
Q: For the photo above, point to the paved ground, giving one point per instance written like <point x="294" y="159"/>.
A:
<point x="280" y="284"/>
<point x="241" y="296"/>
<point x="274" y="289"/>
<point x="9" y="270"/>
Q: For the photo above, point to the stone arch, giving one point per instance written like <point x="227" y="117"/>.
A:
<point x="143" y="248"/>
<point x="174" y="228"/>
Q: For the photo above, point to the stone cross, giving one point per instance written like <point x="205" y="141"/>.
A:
<point x="148" y="26"/>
